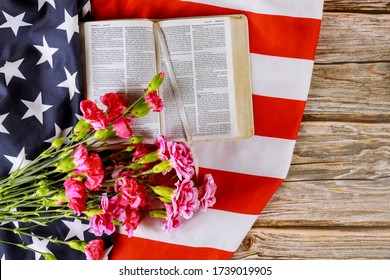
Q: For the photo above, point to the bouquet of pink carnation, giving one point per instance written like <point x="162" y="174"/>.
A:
<point x="103" y="173"/>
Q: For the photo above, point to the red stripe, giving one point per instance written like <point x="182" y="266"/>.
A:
<point x="236" y="192"/>
<point x="135" y="248"/>
<point x="242" y="193"/>
<point x="277" y="117"/>
<point x="269" y="34"/>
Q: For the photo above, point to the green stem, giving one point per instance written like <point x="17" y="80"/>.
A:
<point x="131" y="106"/>
<point x="20" y="171"/>
<point x="23" y="247"/>
<point x="19" y="231"/>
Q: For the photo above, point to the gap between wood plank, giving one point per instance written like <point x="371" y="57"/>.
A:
<point x="351" y="118"/>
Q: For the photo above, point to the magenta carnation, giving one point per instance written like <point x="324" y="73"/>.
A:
<point x="89" y="165"/>
<point x="185" y="201"/>
<point x="131" y="221"/>
<point x="154" y="101"/>
<point x="115" y="104"/>
<point x="74" y="191"/>
<point x="95" y="173"/>
<point x="132" y="191"/>
<point x="207" y="192"/>
<point x="103" y="223"/>
<point x="80" y="156"/>
<point x="122" y="127"/>
<point x="162" y="146"/>
<point x="94" y="249"/>
<point x="94" y="115"/>
<point x="181" y="160"/>
<point x="172" y="221"/>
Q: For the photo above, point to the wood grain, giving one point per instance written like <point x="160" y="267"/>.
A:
<point x="350" y="89"/>
<point x="358" y="5"/>
<point x="352" y="37"/>
<point x="340" y="150"/>
<point x="315" y="243"/>
<point x="339" y="176"/>
<point x="335" y="201"/>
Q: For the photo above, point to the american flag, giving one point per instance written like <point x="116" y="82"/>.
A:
<point x="40" y="78"/>
<point x="283" y="37"/>
<point x="40" y="91"/>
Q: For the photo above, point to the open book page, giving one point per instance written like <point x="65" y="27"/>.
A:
<point x="201" y="55"/>
<point x="120" y="57"/>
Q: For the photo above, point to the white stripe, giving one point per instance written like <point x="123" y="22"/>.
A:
<point x="86" y="9"/>
<point x="281" y="77"/>
<point x="258" y="155"/>
<point x="213" y="229"/>
<point x="293" y="8"/>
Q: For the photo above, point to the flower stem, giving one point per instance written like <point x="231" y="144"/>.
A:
<point x="26" y="248"/>
<point x="20" y="231"/>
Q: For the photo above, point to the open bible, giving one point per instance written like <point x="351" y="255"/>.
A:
<point x="210" y="61"/>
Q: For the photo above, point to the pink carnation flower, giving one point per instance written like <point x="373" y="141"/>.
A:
<point x="94" y="249"/>
<point x="90" y="165"/>
<point x="102" y="223"/>
<point x="132" y="191"/>
<point x="131" y="221"/>
<point x="95" y="173"/>
<point x="162" y="145"/>
<point x="122" y="127"/>
<point x="171" y="222"/>
<point x="181" y="160"/>
<point x="207" y="192"/>
<point x="94" y="115"/>
<point x="80" y="156"/>
<point x="154" y="101"/>
<point x="74" y="191"/>
<point x="116" y="207"/>
<point x="185" y="201"/>
<point x="115" y="104"/>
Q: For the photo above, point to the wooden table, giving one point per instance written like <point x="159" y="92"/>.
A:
<point x="335" y="202"/>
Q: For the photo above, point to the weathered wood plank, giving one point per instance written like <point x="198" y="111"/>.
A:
<point x="334" y="203"/>
<point x="354" y="37"/>
<point x="329" y="203"/>
<point x="349" y="89"/>
<point x="315" y="243"/>
<point x="333" y="150"/>
<point x="357" y="5"/>
<point x="339" y="176"/>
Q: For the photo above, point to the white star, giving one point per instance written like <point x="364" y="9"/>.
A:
<point x="76" y="228"/>
<point x="2" y="127"/>
<point x="16" y="224"/>
<point x="70" y="83"/>
<point x="36" y="108"/>
<point x="14" y="22"/>
<point x="58" y="133"/>
<point x="39" y="245"/>
<point x="42" y="2"/>
<point x="19" y="161"/>
<point x="11" y="69"/>
<point x="47" y="53"/>
<point x="70" y="25"/>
